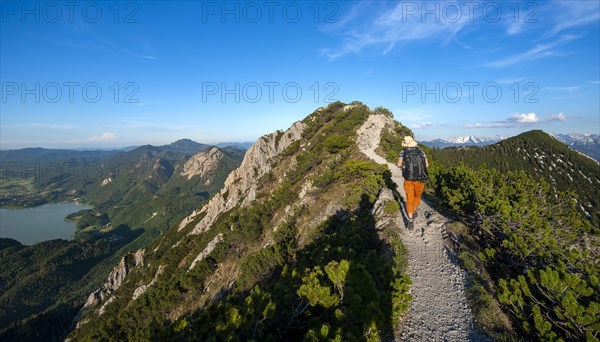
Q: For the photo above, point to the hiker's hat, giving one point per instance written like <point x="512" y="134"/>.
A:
<point x="409" y="142"/>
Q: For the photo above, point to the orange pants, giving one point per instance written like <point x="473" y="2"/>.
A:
<point x="414" y="190"/>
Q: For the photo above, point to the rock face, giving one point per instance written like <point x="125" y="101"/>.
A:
<point x="241" y="185"/>
<point x="114" y="281"/>
<point x="383" y="219"/>
<point x="367" y="139"/>
<point x="140" y="290"/>
<point x="202" y="163"/>
<point x="209" y="248"/>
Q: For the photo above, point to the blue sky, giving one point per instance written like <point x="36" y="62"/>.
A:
<point x="106" y="74"/>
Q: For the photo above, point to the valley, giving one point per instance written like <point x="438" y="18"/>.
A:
<point x="150" y="188"/>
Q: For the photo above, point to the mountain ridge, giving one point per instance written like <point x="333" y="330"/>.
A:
<point x="282" y="185"/>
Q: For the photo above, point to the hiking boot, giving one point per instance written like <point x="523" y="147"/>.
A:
<point x="415" y="215"/>
<point x="410" y="225"/>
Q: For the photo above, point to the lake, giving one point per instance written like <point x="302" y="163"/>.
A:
<point x="33" y="225"/>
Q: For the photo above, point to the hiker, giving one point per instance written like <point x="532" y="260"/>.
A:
<point x="414" y="164"/>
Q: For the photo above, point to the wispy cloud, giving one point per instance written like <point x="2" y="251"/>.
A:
<point x="389" y="28"/>
<point x="536" y="52"/>
<point x="143" y="102"/>
<point x="519" y="120"/>
<point x="510" y="80"/>
<point x="413" y="114"/>
<point x="128" y="51"/>
<point x="92" y="40"/>
<point x="570" y="14"/>
<point x="550" y="18"/>
<point x="135" y="124"/>
<point x="106" y="136"/>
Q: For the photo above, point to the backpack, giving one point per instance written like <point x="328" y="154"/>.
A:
<point x="413" y="165"/>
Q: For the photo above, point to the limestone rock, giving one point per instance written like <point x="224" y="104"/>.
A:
<point x="209" y="248"/>
<point x="142" y="288"/>
<point x="241" y="185"/>
<point x="202" y="163"/>
<point x="114" y="281"/>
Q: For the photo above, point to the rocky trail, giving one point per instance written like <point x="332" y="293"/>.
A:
<point x="439" y="310"/>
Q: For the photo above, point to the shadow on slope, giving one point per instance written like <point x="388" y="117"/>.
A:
<point x="37" y="305"/>
<point x="345" y="284"/>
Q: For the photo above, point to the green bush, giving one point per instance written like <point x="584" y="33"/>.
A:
<point x="533" y="245"/>
<point x="335" y="142"/>
<point x="391" y="208"/>
<point x="384" y="111"/>
<point x="364" y="179"/>
<point x="390" y="144"/>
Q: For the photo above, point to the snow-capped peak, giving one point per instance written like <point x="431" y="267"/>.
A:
<point x="474" y="140"/>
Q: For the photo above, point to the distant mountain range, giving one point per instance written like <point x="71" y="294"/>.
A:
<point x="467" y="140"/>
<point x="136" y="195"/>
<point x="588" y="144"/>
<point x="181" y="145"/>
<point x="540" y="156"/>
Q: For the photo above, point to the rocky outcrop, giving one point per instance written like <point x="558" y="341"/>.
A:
<point x="202" y="163"/>
<point x="368" y="137"/>
<point x="207" y="250"/>
<point x="241" y="185"/>
<point x="141" y="289"/>
<point x="383" y="218"/>
<point x="114" y="281"/>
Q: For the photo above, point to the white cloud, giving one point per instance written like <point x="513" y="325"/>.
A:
<point x="524" y="118"/>
<point x="106" y="136"/>
<point x="423" y="125"/>
<point x="519" y="120"/>
<point x="556" y="117"/>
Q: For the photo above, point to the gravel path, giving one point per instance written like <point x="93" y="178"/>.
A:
<point x="439" y="311"/>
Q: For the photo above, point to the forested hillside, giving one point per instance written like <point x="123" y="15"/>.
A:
<point x="530" y="237"/>
<point x="540" y="156"/>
